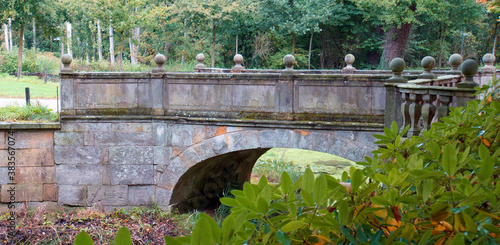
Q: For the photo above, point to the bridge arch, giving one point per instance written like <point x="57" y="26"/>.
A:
<point x="197" y="176"/>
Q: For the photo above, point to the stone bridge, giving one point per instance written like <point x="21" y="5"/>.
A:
<point x="131" y="139"/>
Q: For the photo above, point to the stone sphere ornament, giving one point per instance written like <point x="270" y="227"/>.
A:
<point x="349" y="60"/>
<point x="428" y="63"/>
<point x="489" y="61"/>
<point x="289" y="61"/>
<point x="200" y="58"/>
<point x="238" y="59"/>
<point x="66" y="59"/>
<point x="160" y="61"/>
<point x="397" y="65"/>
<point x="455" y="60"/>
<point x="469" y="69"/>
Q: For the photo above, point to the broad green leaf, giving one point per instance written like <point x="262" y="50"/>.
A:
<point x="249" y="191"/>
<point x="172" y="241"/>
<point x="382" y="178"/>
<point x="343" y="211"/>
<point x="449" y="160"/>
<point x="286" y="182"/>
<point x="262" y="182"/>
<point x="306" y="196"/>
<point x="425" y="237"/>
<point x="492" y="228"/>
<point x="319" y="189"/>
<point x="427" y="187"/>
<point x="458" y="239"/>
<point x="487" y="165"/>
<point x="356" y="180"/>
<point x="308" y="180"/>
<point x="381" y="201"/>
<point x="123" y="237"/>
<point x="202" y="232"/>
<point x="228" y="201"/>
<point x="228" y="228"/>
<point x="283" y="238"/>
<point x="83" y="239"/>
<point x="262" y="205"/>
<point x="293" y="225"/>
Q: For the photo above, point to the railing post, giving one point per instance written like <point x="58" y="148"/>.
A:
<point x="393" y="98"/>
<point x="488" y="69"/>
<point x="428" y="63"/>
<point x="469" y="69"/>
<point x="455" y="61"/>
<point x="156" y="86"/>
<point x="284" y="89"/>
<point x="200" y="58"/>
<point x="428" y="110"/>
<point x="349" y="60"/>
<point x="444" y="104"/>
<point x="238" y="59"/>
<point x="415" y="110"/>
<point x="67" y="86"/>
<point x="160" y="61"/>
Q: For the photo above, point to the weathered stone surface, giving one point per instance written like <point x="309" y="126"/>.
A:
<point x="163" y="196"/>
<point x="132" y="139"/>
<point x="50" y="192"/>
<point x="88" y="138"/>
<point x="73" y="195"/>
<point x="4" y="178"/>
<point x="131" y="174"/>
<point x="141" y="195"/>
<point x="32" y="139"/>
<point x="243" y="140"/>
<point x="162" y="155"/>
<point x="30" y="175"/>
<point x="219" y="144"/>
<point x="22" y="193"/>
<point x="212" y="131"/>
<point x="77" y="154"/>
<point x="70" y="138"/>
<point x="28" y="157"/>
<point x="107" y="195"/>
<point x="284" y="138"/>
<point x="186" y="135"/>
<point x="161" y="135"/>
<point x="190" y="157"/>
<point x="131" y="155"/>
<point x="167" y="176"/>
<point x="131" y="127"/>
<point x="85" y="127"/>
<point x="267" y="138"/>
<point x="302" y="139"/>
<point x="320" y="141"/>
<point x="79" y="175"/>
<point x="204" y="149"/>
<point x="345" y="134"/>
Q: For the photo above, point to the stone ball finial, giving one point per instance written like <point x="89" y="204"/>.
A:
<point x="66" y="59"/>
<point x="160" y="61"/>
<point x="455" y="60"/>
<point x="349" y="60"/>
<point x="397" y="65"/>
<point x="469" y="69"/>
<point x="489" y="61"/>
<point x="238" y="59"/>
<point x="428" y="63"/>
<point x="289" y="61"/>
<point x="200" y="58"/>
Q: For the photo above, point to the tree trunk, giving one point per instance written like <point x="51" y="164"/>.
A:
<point x="184" y="41"/>
<point x="310" y="47"/>
<point x="6" y="36"/>
<point x="20" y="54"/>
<point x="494" y="39"/>
<point x="395" y="44"/>
<point x="68" y="38"/>
<point x="442" y="45"/>
<point x="10" y="34"/>
<point x="34" y="35"/>
<point x="111" y="46"/>
<point x="236" y="43"/>
<point x="293" y="43"/>
<point x="213" y="44"/>
<point x="121" y="52"/>
<point x="99" y="39"/>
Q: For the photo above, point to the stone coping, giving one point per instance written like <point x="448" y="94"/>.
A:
<point x="29" y="125"/>
<point x="355" y="126"/>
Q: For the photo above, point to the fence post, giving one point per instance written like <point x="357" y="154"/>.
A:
<point x="393" y="98"/>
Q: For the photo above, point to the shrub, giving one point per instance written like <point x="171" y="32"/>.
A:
<point x="439" y="188"/>
<point x="35" y="112"/>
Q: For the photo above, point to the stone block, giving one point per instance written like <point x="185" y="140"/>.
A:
<point x="166" y="176"/>
<point x="160" y="131"/>
<point x="163" y="196"/>
<point x="107" y="195"/>
<point x="30" y="175"/>
<point x="141" y="195"/>
<point x="3" y="139"/>
<point x="4" y="177"/>
<point x="338" y="146"/>
<point x="284" y="138"/>
<point x="219" y="144"/>
<point x="33" y="139"/>
<point x="233" y="129"/>
<point x="243" y="140"/>
<point x="267" y="138"/>
<point x="85" y="127"/>
<point x="212" y="131"/>
<point x="130" y="174"/>
<point x="22" y="193"/>
<point x="121" y="139"/>
<point x="162" y="155"/>
<point x="204" y="149"/>
<point x="50" y="192"/>
<point x="190" y="157"/>
<point x="131" y="127"/>
<point x="186" y="135"/>
<point x="131" y="155"/>
<point x="88" y="138"/>
<point x="366" y="138"/>
<point x="345" y="134"/>
<point x="320" y="141"/>
<point x="71" y="138"/>
<point x="79" y="175"/>
<point x="302" y="139"/>
<point x="73" y="195"/>
<point x="28" y="157"/>
<point x="77" y="154"/>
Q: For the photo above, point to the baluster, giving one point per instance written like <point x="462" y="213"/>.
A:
<point x="428" y="111"/>
<point x="415" y="110"/>
<point x="444" y="106"/>
<point x="405" y="111"/>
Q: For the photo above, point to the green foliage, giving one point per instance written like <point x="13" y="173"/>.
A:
<point x="32" y="63"/>
<point x="122" y="238"/>
<point x="440" y="188"/>
<point x="35" y="112"/>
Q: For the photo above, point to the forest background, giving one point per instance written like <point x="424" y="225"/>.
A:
<point x="318" y="32"/>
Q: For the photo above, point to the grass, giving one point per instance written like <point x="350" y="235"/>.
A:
<point x="295" y="161"/>
<point x="11" y="87"/>
<point x="35" y="112"/>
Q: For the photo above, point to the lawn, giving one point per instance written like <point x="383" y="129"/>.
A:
<point x="11" y="87"/>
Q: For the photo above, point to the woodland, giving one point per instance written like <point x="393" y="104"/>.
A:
<point x="318" y="32"/>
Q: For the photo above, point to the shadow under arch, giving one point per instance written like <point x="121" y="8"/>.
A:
<point x="202" y="185"/>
